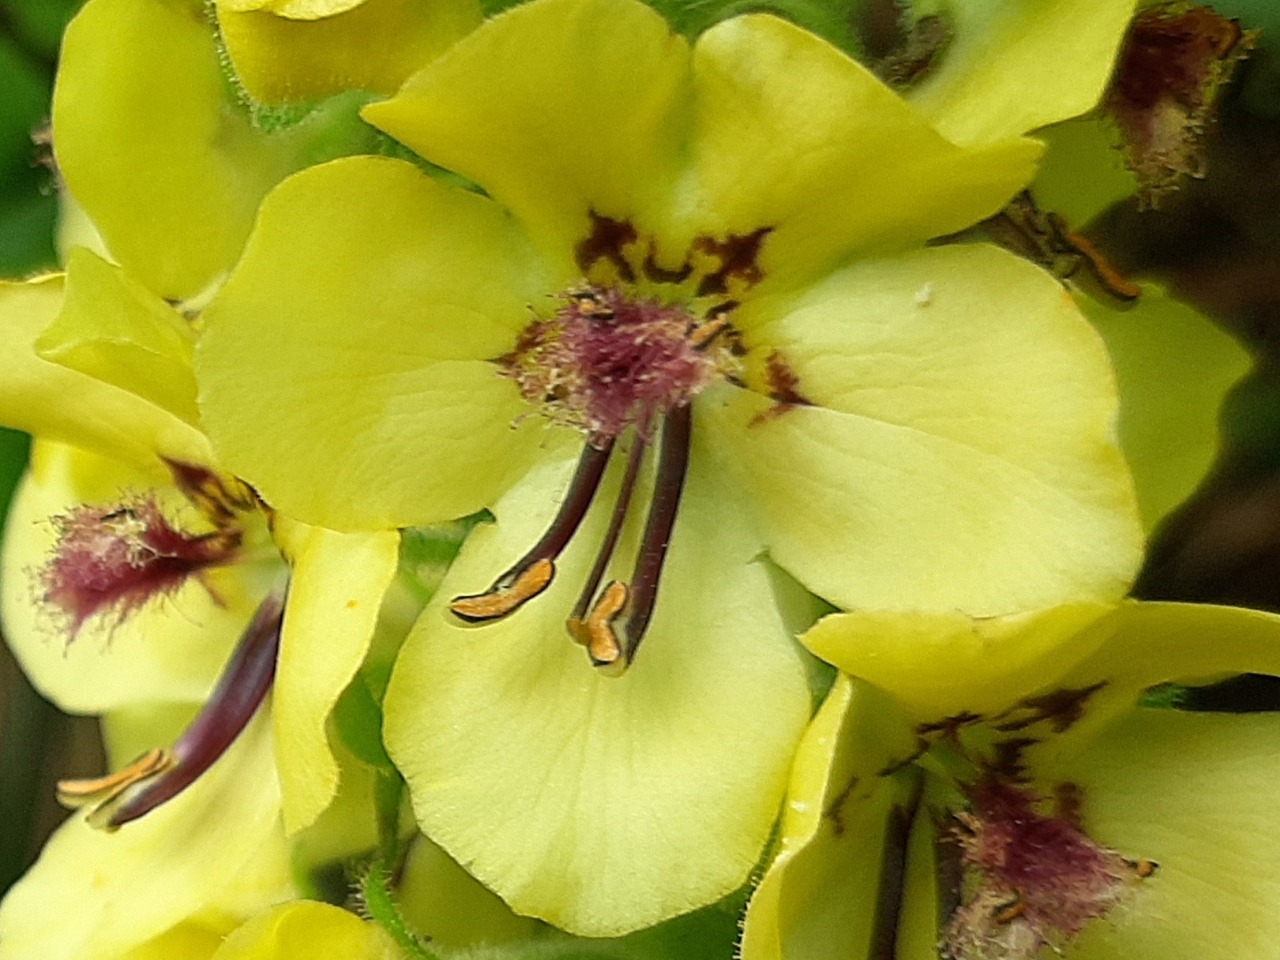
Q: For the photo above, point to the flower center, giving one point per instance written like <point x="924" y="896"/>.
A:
<point x="1033" y="878"/>
<point x="111" y="560"/>
<point x="609" y="362"/>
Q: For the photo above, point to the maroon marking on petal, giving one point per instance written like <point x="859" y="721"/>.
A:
<point x="220" y="498"/>
<point x="1060" y="708"/>
<point x="608" y="241"/>
<point x="738" y="255"/>
<point x="784" y="389"/>
<point x="835" y="809"/>
<point x="950" y="726"/>
<point x="659" y="274"/>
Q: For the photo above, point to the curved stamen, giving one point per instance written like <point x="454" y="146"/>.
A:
<point x="673" y="464"/>
<point x="533" y="572"/>
<point x="596" y="631"/>
<point x="584" y="628"/>
<point x="164" y="774"/>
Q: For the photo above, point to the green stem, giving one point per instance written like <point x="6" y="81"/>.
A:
<point x="381" y="907"/>
<point x="388" y="793"/>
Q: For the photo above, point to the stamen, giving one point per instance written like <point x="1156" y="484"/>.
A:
<point x="596" y="631"/>
<point x="673" y="464"/>
<point x="577" y="622"/>
<point x="99" y="790"/>
<point x="162" y="775"/>
<point x="511" y="592"/>
<point x="533" y="572"/>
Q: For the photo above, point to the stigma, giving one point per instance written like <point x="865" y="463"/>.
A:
<point x="611" y="364"/>
<point x="111" y="560"/>
<point x="1032" y="877"/>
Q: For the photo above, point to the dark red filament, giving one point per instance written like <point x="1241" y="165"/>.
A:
<point x="240" y="691"/>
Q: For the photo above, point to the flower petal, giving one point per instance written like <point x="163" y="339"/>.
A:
<point x="960" y="453"/>
<point x="113" y="329"/>
<point x="186" y="941"/>
<point x="55" y="403"/>
<point x="336" y="589"/>
<point x="944" y="664"/>
<point x="130" y="886"/>
<point x="1114" y="654"/>
<point x="305" y="930"/>
<point x="1014" y="66"/>
<point x="555" y="108"/>
<point x="819" y="897"/>
<point x="604" y="804"/>
<point x="293" y="9"/>
<point x="347" y="377"/>
<point x="792" y="134"/>
<point x="1195" y="793"/>
<point x="1174" y="366"/>
<point x="445" y="903"/>
<point x="323" y="49"/>
<point x="1142" y="645"/>
<point x="170" y="651"/>
<point x="169" y="171"/>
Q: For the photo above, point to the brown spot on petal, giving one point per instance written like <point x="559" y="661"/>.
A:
<point x="738" y="267"/>
<point x="784" y="388"/>
<point x="659" y="274"/>
<point x="608" y="241"/>
<point x="1060" y="708"/>
<point x="835" y="809"/>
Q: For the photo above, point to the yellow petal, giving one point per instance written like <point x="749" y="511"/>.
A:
<point x="130" y="886"/>
<point x="309" y="49"/>
<point x="604" y="804"/>
<point x="306" y="930"/>
<point x="334" y="594"/>
<point x="50" y="401"/>
<point x="818" y="898"/>
<point x="1014" y="66"/>
<point x="170" y="651"/>
<point x="940" y="665"/>
<point x="555" y="108"/>
<point x="169" y="169"/>
<point x="398" y="417"/>
<point x="792" y="135"/>
<point x="115" y="330"/>
<point x="957" y="451"/>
